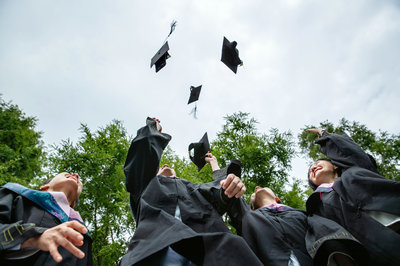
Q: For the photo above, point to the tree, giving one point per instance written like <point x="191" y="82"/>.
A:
<point x="384" y="147"/>
<point x="266" y="158"/>
<point x="98" y="158"/>
<point x="21" y="148"/>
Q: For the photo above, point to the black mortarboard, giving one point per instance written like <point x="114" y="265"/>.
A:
<point x="194" y="93"/>
<point x="194" y="96"/>
<point x="160" y="58"/>
<point x="198" y="151"/>
<point x="230" y="55"/>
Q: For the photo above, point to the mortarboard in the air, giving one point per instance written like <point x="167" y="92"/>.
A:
<point x="194" y="96"/>
<point x="198" y="151"/>
<point x="194" y="93"/>
<point x="230" y="55"/>
<point x="160" y="58"/>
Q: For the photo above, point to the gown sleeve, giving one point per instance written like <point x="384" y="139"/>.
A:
<point x="344" y="152"/>
<point x="13" y="233"/>
<point x="144" y="155"/>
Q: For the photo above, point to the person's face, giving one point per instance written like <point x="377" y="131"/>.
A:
<point x="63" y="182"/>
<point x="322" y="172"/>
<point x="259" y="195"/>
<point x="165" y="170"/>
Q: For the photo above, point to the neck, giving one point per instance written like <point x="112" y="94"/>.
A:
<point x="69" y="194"/>
<point x="266" y="201"/>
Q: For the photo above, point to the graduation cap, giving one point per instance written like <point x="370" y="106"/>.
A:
<point x="160" y="58"/>
<point x="194" y="96"/>
<point x="230" y="55"/>
<point x="198" y="151"/>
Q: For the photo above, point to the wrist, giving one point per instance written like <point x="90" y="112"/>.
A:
<point x="30" y="242"/>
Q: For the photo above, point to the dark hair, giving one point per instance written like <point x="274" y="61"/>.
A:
<point x="338" y="171"/>
<point x="48" y="180"/>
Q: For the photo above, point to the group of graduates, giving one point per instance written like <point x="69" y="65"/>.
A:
<point x="351" y="218"/>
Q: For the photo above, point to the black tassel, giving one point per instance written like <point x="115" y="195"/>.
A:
<point x="194" y="111"/>
<point x="173" y="25"/>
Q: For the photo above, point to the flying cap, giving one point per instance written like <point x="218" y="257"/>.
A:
<point x="198" y="151"/>
<point x="194" y="94"/>
<point x="160" y="58"/>
<point x="230" y="55"/>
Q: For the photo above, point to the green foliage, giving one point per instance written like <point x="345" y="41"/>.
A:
<point x="184" y="168"/>
<point x="384" y="147"/>
<point x="104" y="204"/>
<point x="21" y="147"/>
<point x="266" y="158"/>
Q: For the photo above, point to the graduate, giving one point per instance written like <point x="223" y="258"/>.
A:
<point x="349" y="191"/>
<point x="178" y="222"/>
<point x="274" y="231"/>
<point x="280" y="235"/>
<point x="42" y="227"/>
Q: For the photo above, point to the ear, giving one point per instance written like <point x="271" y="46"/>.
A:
<point x="72" y="205"/>
<point x="44" y="187"/>
<point x="277" y="200"/>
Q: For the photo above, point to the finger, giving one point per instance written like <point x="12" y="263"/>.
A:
<point x="237" y="189"/>
<point x="67" y="232"/>
<point x="70" y="247"/>
<point x="54" y="252"/>
<point x="232" y="186"/>
<point x="241" y="192"/>
<point x="75" y="242"/>
<point x="77" y="226"/>
<point x="222" y="183"/>
<point x="228" y="180"/>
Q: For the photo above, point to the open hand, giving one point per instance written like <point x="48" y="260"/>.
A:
<point x="159" y="127"/>
<point x="318" y="131"/>
<point x="67" y="235"/>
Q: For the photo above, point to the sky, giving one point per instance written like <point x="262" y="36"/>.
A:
<point x="304" y="62"/>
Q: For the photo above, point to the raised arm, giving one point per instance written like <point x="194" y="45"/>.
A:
<point x="343" y="151"/>
<point x="144" y="156"/>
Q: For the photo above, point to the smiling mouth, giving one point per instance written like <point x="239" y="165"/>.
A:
<point x="316" y="170"/>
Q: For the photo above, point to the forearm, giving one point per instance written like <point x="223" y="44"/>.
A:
<point x="12" y="235"/>
<point x="143" y="157"/>
<point x="344" y="152"/>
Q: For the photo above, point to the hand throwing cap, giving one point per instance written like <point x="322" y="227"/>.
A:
<point x="194" y="94"/>
<point x="230" y="55"/>
<point x="197" y="151"/>
<point x="160" y="58"/>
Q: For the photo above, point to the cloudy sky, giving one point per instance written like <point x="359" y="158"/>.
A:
<point x="72" y="62"/>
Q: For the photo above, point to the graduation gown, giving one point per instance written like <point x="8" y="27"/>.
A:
<point x="20" y="219"/>
<point x="359" y="190"/>
<point x="276" y="235"/>
<point x="201" y="235"/>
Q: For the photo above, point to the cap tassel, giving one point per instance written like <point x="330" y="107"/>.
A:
<point x="194" y="111"/>
<point x="173" y="25"/>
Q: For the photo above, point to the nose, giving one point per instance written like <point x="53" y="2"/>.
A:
<point x="165" y="165"/>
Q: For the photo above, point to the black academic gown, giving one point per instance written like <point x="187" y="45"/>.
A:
<point x="273" y="235"/>
<point x="201" y="236"/>
<point x="359" y="189"/>
<point x="20" y="219"/>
